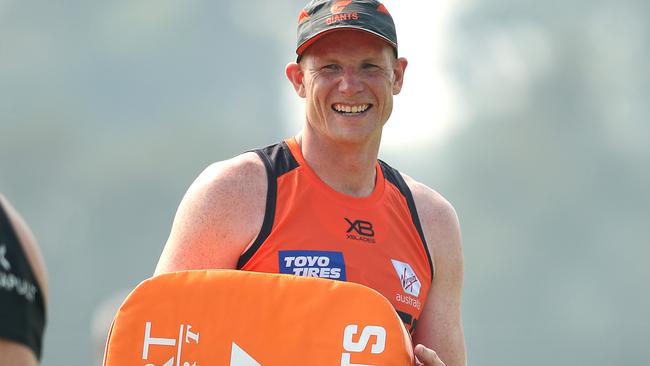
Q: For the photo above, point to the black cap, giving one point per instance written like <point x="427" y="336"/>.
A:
<point x="321" y="17"/>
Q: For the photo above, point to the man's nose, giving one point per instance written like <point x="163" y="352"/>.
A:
<point x="350" y="83"/>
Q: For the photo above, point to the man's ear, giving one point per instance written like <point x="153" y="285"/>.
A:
<point x="296" y="76"/>
<point x="398" y="71"/>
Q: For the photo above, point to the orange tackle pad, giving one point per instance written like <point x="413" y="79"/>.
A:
<point x="238" y="318"/>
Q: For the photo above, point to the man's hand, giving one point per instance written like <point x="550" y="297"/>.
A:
<point x="426" y="357"/>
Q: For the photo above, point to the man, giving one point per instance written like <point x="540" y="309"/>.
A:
<point x="23" y="291"/>
<point x="321" y="203"/>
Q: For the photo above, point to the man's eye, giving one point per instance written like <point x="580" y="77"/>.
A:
<point x="331" y="67"/>
<point x="370" y="66"/>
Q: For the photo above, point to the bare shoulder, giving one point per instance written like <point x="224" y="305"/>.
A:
<point x="29" y="245"/>
<point x="231" y="176"/>
<point x="220" y="214"/>
<point x="228" y="189"/>
<point x="432" y="206"/>
<point x="438" y="218"/>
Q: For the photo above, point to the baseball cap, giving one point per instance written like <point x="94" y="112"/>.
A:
<point x="321" y="17"/>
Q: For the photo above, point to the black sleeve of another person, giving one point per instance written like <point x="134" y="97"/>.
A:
<point x="22" y="309"/>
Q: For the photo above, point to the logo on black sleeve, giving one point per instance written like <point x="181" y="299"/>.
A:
<point x="360" y="230"/>
<point x="10" y="281"/>
<point x="3" y="259"/>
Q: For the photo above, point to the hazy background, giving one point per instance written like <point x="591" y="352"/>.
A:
<point x="531" y="117"/>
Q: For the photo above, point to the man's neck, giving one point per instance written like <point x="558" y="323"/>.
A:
<point x="347" y="168"/>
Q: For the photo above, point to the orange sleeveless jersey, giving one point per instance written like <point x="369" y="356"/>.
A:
<point x="311" y="230"/>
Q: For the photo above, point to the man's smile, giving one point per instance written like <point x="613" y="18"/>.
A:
<point x="347" y="109"/>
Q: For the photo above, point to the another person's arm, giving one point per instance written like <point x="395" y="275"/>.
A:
<point x="218" y="218"/>
<point x="12" y="352"/>
<point x="440" y="327"/>
<point x="16" y="354"/>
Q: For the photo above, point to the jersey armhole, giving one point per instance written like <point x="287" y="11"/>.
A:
<point x="278" y="161"/>
<point x="269" y="211"/>
<point x="395" y="177"/>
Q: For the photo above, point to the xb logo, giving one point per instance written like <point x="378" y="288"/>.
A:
<point x="360" y="227"/>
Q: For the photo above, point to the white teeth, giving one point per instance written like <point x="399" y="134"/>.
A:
<point x="351" y="109"/>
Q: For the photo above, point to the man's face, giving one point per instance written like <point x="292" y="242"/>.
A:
<point x="348" y="79"/>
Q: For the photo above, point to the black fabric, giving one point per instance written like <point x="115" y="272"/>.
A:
<point x="406" y="317"/>
<point x="22" y="310"/>
<point x="408" y="320"/>
<point x="279" y="157"/>
<point x="278" y="161"/>
<point x="395" y="178"/>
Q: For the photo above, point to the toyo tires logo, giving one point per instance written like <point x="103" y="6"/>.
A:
<point x="312" y="263"/>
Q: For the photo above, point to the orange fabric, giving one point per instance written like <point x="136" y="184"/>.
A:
<point x="371" y="240"/>
<point x="236" y="318"/>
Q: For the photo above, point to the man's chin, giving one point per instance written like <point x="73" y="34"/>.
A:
<point x="355" y="136"/>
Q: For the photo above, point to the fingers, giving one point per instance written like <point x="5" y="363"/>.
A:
<point x="426" y="357"/>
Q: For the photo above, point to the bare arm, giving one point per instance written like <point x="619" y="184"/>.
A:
<point x="16" y="354"/>
<point x="440" y="326"/>
<point x="218" y="218"/>
<point x="13" y="353"/>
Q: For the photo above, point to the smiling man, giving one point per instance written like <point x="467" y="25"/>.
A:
<point x="321" y="203"/>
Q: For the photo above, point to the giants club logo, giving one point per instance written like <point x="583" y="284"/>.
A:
<point x="360" y="230"/>
<point x="339" y="6"/>
<point x="338" y="15"/>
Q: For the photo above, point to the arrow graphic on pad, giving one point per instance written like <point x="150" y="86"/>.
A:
<point x="239" y="357"/>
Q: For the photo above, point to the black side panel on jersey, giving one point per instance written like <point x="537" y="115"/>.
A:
<point x="395" y="178"/>
<point x="278" y="161"/>
<point x="22" y="309"/>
